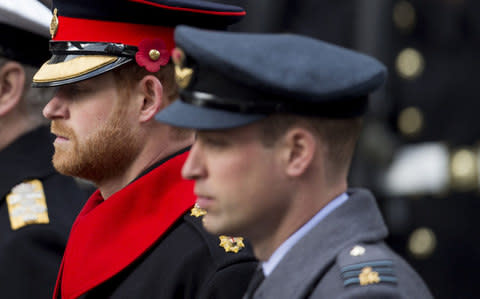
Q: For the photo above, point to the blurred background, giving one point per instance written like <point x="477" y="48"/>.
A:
<point x="419" y="151"/>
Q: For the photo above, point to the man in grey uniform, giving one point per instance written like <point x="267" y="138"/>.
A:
<point x="277" y="119"/>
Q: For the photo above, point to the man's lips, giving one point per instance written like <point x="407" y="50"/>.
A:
<point x="204" y="202"/>
<point x="60" y="138"/>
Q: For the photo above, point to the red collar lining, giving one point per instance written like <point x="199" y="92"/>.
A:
<point x="109" y="235"/>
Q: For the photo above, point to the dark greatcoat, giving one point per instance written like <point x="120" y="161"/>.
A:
<point x="143" y="242"/>
<point x="30" y="256"/>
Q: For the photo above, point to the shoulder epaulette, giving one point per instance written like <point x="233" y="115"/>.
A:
<point x="27" y="204"/>
<point x="364" y="264"/>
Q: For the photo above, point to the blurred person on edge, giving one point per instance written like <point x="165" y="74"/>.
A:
<point x="38" y="205"/>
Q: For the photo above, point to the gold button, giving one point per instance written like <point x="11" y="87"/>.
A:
<point x="422" y="242"/>
<point x="409" y="64"/>
<point x="410" y="121"/>
<point x="404" y="16"/>
<point x="154" y="54"/>
<point x="463" y="170"/>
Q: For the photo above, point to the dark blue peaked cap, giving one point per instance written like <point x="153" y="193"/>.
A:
<point x="239" y="78"/>
<point x="197" y="13"/>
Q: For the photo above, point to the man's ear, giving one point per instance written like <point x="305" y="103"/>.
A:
<point x="300" y="146"/>
<point x="12" y="81"/>
<point x="151" y="90"/>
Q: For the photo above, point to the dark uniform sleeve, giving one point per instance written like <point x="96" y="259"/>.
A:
<point x="30" y="256"/>
<point x="30" y="259"/>
<point x="229" y="282"/>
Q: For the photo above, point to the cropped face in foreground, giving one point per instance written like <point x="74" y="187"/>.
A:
<point x="238" y="181"/>
<point x="94" y="126"/>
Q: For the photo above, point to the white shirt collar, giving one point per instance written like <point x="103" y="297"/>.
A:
<point x="279" y="253"/>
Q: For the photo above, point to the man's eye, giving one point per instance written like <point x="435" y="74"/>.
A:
<point x="73" y="91"/>
<point x="217" y="142"/>
<point x="81" y="90"/>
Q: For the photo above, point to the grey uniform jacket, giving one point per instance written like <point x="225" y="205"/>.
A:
<point x="344" y="256"/>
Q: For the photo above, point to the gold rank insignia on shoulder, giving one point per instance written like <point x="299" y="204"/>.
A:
<point x="368" y="273"/>
<point x="367" y="276"/>
<point x="197" y="211"/>
<point x="27" y="205"/>
<point x="231" y="244"/>
<point x="183" y="75"/>
<point x="54" y="23"/>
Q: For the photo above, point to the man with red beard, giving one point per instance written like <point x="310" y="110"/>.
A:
<point x="138" y="236"/>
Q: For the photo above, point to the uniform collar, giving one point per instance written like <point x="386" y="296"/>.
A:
<point x="280" y="252"/>
<point x="156" y="164"/>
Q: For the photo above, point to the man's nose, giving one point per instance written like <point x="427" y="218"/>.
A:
<point x="55" y="108"/>
<point x="193" y="169"/>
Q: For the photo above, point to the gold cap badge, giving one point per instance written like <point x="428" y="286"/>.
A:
<point x="183" y="75"/>
<point x="231" y="244"/>
<point x="54" y="23"/>
<point x="27" y="205"/>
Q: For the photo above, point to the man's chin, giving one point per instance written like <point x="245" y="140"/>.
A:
<point x="215" y="226"/>
<point x="63" y="162"/>
<point x="210" y="225"/>
<point x="62" y="168"/>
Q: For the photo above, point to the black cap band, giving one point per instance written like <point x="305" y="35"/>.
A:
<point x="347" y="107"/>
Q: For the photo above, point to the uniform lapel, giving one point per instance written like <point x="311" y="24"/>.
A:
<point x="358" y="219"/>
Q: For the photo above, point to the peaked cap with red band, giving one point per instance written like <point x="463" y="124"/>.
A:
<point x="91" y="37"/>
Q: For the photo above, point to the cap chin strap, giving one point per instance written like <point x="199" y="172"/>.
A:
<point x="92" y="48"/>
